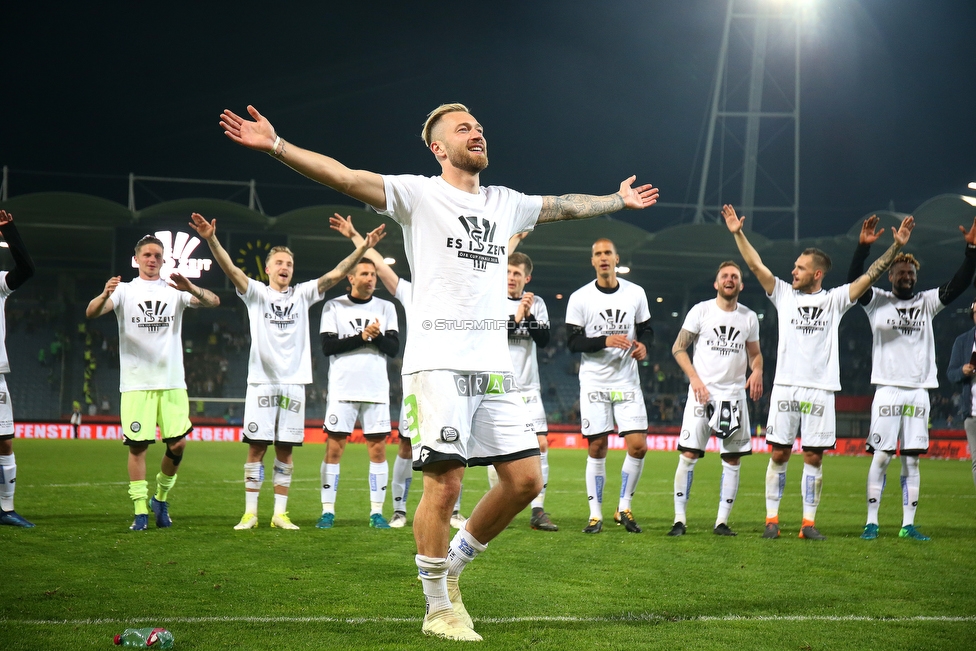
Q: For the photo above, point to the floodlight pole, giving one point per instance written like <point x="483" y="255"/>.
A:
<point x="755" y="29"/>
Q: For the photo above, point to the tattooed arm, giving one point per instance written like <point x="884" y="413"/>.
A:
<point x="680" y="353"/>
<point x="862" y="284"/>
<point x="581" y="206"/>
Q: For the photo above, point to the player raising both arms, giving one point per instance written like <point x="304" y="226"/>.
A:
<point x="279" y="364"/>
<point x="903" y="369"/>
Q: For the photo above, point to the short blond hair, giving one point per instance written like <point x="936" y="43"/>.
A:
<point x="434" y="117"/>
<point x="906" y="257"/>
<point x="278" y="249"/>
<point x="728" y="263"/>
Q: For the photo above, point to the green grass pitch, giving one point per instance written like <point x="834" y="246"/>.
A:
<point x="81" y="576"/>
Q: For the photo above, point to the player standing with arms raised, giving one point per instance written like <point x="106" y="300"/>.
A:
<point x="279" y="364"/>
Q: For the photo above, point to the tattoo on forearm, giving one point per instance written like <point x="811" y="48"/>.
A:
<point x="875" y="270"/>
<point x="579" y="206"/>
<point x="681" y="344"/>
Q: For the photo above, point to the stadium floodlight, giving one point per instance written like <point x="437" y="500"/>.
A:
<point x="970" y="200"/>
<point x="660" y="299"/>
<point x="4" y="245"/>
<point x="623" y="269"/>
<point x="389" y="260"/>
<point x="972" y="185"/>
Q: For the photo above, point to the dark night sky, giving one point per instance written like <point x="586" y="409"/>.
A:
<point x="574" y="96"/>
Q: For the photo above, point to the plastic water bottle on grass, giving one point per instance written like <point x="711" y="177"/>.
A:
<point x="141" y="638"/>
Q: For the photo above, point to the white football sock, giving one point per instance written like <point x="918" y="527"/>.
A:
<point x="464" y="549"/>
<point x="682" y="486"/>
<point x="775" y="484"/>
<point x="630" y="474"/>
<point x="379" y="473"/>
<point x="329" y="473"/>
<point x="8" y="481"/>
<point x="596" y="478"/>
<point x="540" y="499"/>
<point x="402" y="478"/>
<point x="811" y="484"/>
<point x="433" y="578"/>
<point x="877" y="476"/>
<point x="910" y="482"/>
<point x="730" y="487"/>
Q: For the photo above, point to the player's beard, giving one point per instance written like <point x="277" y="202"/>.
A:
<point x="462" y="159"/>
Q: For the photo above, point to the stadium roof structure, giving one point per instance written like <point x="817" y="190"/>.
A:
<point x="67" y="231"/>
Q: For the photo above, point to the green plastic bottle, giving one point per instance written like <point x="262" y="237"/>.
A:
<point x="142" y="638"/>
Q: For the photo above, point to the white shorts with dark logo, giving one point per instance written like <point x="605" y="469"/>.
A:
<point x="601" y="407"/>
<point x="801" y="411"/>
<point x="537" y="411"/>
<point x="6" y="411"/>
<point x="475" y="418"/>
<point x="695" y="430"/>
<point x="274" y="413"/>
<point x="899" y="415"/>
<point x="341" y="416"/>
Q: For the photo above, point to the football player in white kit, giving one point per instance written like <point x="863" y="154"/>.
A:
<point x="458" y="376"/>
<point x="726" y="338"/>
<point x="357" y="331"/>
<point x="279" y="364"/>
<point x="528" y="328"/>
<point x="149" y="311"/>
<point x="607" y="321"/>
<point x="903" y="369"/>
<point x="807" y="366"/>
<point x="10" y="281"/>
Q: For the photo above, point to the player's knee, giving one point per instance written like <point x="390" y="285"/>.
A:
<point x="174" y="452"/>
<point x="282" y="473"/>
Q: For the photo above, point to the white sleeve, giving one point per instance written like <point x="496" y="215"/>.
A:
<point x="643" y="311"/>
<point x="328" y="322"/>
<point x="540" y="311"/>
<point x="403" y="192"/>
<point x="118" y="296"/>
<point x="527" y="212"/>
<point x="753" y="334"/>
<point x="390" y="317"/>
<point x="693" y="320"/>
<point x="575" y="314"/>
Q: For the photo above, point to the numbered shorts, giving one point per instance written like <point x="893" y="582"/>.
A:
<point x="341" y="416"/>
<point x="537" y="411"/>
<point x="475" y="418"/>
<point x="695" y="431"/>
<point x="6" y="411"/>
<point x="601" y="408"/>
<point x="899" y="415"/>
<point x="274" y="413"/>
<point x="142" y="411"/>
<point x="804" y="411"/>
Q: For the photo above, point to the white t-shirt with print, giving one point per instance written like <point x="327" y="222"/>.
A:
<point x="150" y="316"/>
<point x="358" y="375"/>
<point x="903" y="346"/>
<point x="720" y="357"/>
<point x="280" y="346"/>
<point x="457" y="248"/>
<point x="602" y="314"/>
<point x="807" y="354"/>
